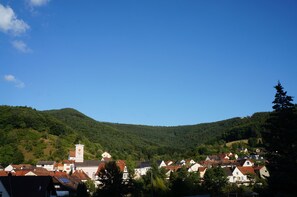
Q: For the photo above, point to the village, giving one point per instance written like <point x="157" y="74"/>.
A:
<point x="50" y="178"/>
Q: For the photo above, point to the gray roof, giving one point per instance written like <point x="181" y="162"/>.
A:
<point x="144" y="164"/>
<point x="88" y="163"/>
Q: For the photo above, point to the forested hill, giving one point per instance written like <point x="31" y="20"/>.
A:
<point x="33" y="135"/>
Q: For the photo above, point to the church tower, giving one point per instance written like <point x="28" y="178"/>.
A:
<point x="79" y="153"/>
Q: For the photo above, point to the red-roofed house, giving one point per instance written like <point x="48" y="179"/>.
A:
<point x="262" y="171"/>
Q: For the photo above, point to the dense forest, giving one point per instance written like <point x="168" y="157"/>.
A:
<point x="30" y="135"/>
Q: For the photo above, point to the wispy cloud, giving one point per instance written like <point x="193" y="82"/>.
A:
<point x="11" y="79"/>
<point x="37" y="3"/>
<point x="21" y="46"/>
<point x="9" y="23"/>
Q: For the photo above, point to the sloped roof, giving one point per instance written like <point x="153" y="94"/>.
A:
<point x="3" y="173"/>
<point x="144" y="164"/>
<point x="22" y="166"/>
<point x="173" y="168"/>
<point x="88" y="163"/>
<point x="19" y="186"/>
<point x="80" y="175"/>
<point x="202" y="169"/>
<point x="121" y="164"/>
<point x="246" y="170"/>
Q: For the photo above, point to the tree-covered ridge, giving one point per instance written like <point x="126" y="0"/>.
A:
<point x="37" y="135"/>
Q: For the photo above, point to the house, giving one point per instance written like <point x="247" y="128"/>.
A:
<point x="246" y="163"/>
<point x="78" y="154"/>
<point x="240" y="175"/>
<point x="19" y="186"/>
<point x="161" y="163"/>
<point x="123" y="168"/>
<point x="80" y="175"/>
<point x="13" y="167"/>
<point x="194" y="167"/>
<point x="90" y="167"/>
<point x="202" y="171"/>
<point x="68" y="166"/>
<point x="262" y="171"/>
<point x="106" y="157"/>
<point x="64" y="183"/>
<point x="142" y="168"/>
<point x="171" y="168"/>
<point x="49" y="165"/>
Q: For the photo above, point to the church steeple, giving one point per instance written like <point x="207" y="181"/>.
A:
<point x="79" y="153"/>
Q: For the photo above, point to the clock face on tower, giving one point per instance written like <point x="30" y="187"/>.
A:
<point x="79" y="151"/>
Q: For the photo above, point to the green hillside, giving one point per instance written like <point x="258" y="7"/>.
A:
<point x="30" y="135"/>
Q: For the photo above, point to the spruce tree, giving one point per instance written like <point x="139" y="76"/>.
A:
<point x="280" y="140"/>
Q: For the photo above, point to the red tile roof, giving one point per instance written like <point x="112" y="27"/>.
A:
<point x="80" y="175"/>
<point x="3" y="173"/>
<point x="121" y="164"/>
<point x="246" y="170"/>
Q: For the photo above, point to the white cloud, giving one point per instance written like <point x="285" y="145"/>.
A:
<point x="21" y="46"/>
<point x="9" y="23"/>
<point x="38" y="3"/>
<point x="9" y="78"/>
<point x="15" y="81"/>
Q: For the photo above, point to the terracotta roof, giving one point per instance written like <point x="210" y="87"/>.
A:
<point x="22" y="166"/>
<point x="80" y="175"/>
<point x="21" y="172"/>
<point x="246" y="170"/>
<point x="100" y="167"/>
<point x="172" y="168"/>
<point x="121" y="164"/>
<point x="68" y="161"/>
<point x="3" y="173"/>
<point x="201" y="169"/>
<point x="258" y="167"/>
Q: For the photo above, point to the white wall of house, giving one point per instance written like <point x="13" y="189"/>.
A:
<point x="264" y="172"/>
<point x="237" y="176"/>
<point x="48" y="167"/>
<point x="9" y="168"/>
<point x="248" y="163"/>
<point x="68" y="167"/>
<point x="141" y="171"/>
<point x="194" y="168"/>
<point x="90" y="171"/>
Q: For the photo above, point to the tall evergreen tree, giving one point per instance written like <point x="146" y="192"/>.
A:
<point x="280" y="139"/>
<point x="111" y="181"/>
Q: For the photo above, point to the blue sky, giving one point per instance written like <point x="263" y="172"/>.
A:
<point x="169" y="62"/>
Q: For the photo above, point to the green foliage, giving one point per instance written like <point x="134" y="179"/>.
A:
<point x="111" y="181"/>
<point x="82" y="190"/>
<point x="9" y="154"/>
<point x="183" y="183"/>
<point x="155" y="181"/>
<point x="215" y="180"/>
<point x="61" y="129"/>
<point x="280" y="140"/>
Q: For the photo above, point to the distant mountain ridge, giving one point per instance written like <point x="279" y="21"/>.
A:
<point x="51" y="134"/>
